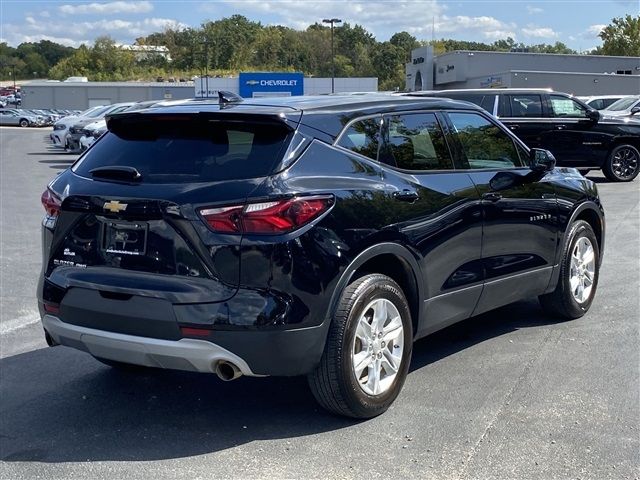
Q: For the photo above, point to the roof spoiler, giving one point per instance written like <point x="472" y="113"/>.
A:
<point x="224" y="96"/>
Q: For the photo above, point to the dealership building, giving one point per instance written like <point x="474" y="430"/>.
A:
<point x="576" y="74"/>
<point x="82" y="95"/>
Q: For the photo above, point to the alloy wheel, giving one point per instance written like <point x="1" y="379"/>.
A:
<point x="378" y="346"/>
<point x="625" y="163"/>
<point x="583" y="270"/>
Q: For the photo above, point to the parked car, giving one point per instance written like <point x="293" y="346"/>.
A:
<point x="600" y="102"/>
<point x="77" y="130"/>
<point x="625" y="107"/>
<point x="61" y="127"/>
<point x="314" y="236"/>
<point x="577" y="135"/>
<point x="11" y="116"/>
<point x="93" y="131"/>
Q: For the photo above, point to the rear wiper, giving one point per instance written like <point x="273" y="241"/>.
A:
<point x="117" y="173"/>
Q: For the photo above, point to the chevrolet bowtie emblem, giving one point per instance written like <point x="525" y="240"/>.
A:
<point x="115" y="206"/>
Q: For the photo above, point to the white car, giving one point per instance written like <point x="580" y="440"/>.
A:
<point x="600" y="102"/>
<point x="92" y="132"/>
<point x="625" y="107"/>
<point x="62" y="126"/>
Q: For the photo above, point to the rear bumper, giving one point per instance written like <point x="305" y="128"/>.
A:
<point x="185" y="354"/>
<point x="279" y="352"/>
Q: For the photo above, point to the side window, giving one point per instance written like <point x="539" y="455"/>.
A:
<point x="363" y="137"/>
<point x="526" y="105"/>
<point x="488" y="102"/>
<point x="597" y="104"/>
<point x="416" y="142"/>
<point x="484" y="144"/>
<point x="566" y="107"/>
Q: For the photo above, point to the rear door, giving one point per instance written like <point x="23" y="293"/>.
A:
<point x="437" y="210"/>
<point x="520" y="229"/>
<point x="524" y="115"/>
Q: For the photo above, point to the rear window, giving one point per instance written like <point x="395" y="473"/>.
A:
<point x="186" y="149"/>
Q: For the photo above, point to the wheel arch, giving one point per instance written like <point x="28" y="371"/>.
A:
<point x="591" y="213"/>
<point x="393" y="260"/>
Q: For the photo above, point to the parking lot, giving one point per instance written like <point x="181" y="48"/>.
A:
<point x="509" y="394"/>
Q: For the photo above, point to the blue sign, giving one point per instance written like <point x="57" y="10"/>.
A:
<point x="271" y="84"/>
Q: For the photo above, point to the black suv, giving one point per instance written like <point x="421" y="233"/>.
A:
<point x="578" y="135"/>
<point x="314" y="236"/>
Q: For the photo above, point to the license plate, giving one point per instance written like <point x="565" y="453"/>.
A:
<point x="125" y="238"/>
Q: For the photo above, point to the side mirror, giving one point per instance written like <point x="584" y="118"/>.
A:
<point x="593" y="115"/>
<point x="635" y="110"/>
<point x="541" y="160"/>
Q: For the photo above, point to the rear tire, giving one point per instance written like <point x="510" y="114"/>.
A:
<point x="574" y="292"/>
<point x="368" y="350"/>
<point x="622" y="164"/>
<point x="24" y="122"/>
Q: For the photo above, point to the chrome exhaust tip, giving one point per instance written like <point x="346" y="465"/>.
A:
<point x="227" y="371"/>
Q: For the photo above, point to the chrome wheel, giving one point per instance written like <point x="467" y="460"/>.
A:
<point x="378" y="346"/>
<point x="583" y="268"/>
<point x="625" y="162"/>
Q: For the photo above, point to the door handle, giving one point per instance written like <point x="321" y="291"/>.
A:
<point x="406" y="196"/>
<point x="560" y="127"/>
<point x="491" y="196"/>
<point x="514" y="127"/>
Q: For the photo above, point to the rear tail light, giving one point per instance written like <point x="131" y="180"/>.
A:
<point x="51" y="202"/>
<point x="274" y="217"/>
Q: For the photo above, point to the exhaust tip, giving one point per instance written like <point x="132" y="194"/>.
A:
<point x="227" y="371"/>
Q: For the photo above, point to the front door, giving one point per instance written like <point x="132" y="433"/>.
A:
<point x="519" y="209"/>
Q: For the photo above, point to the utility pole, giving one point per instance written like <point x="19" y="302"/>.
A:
<point x="332" y="21"/>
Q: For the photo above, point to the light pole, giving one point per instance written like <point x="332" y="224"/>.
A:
<point x="332" y="21"/>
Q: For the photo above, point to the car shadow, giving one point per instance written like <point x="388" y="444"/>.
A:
<point x="60" y="405"/>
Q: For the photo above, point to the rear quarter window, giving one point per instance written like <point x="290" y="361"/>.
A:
<point x="185" y="150"/>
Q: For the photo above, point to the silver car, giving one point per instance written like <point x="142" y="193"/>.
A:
<point x="11" y="116"/>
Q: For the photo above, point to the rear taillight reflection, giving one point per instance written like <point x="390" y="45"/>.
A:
<point x="275" y="217"/>
<point x="50" y="202"/>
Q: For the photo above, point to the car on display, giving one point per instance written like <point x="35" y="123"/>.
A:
<point x="600" y="102"/>
<point x="625" y="107"/>
<point x="577" y="135"/>
<point x="93" y="131"/>
<point x="11" y="116"/>
<point x="77" y="130"/>
<point x="61" y="127"/>
<point x="316" y="236"/>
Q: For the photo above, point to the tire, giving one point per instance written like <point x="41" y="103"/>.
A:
<point x="563" y="301"/>
<point x="334" y="383"/>
<point x="622" y="164"/>
<point x="122" y="366"/>
<point x="24" y="122"/>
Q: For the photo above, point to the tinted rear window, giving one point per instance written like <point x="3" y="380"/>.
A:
<point x="185" y="150"/>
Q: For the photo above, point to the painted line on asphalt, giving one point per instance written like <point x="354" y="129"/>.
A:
<point x="10" y="326"/>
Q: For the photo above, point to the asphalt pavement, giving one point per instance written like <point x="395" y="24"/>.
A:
<point x="509" y="394"/>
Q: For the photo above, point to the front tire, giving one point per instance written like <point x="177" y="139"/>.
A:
<point x="579" y="272"/>
<point x="24" y="122"/>
<point x="622" y="164"/>
<point x="368" y="350"/>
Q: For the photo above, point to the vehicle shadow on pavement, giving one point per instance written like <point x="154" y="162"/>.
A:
<point x="60" y="405"/>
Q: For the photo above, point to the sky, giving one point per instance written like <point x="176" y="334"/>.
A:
<point x="573" y="22"/>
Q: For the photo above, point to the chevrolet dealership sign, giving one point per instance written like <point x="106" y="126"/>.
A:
<point x="271" y="84"/>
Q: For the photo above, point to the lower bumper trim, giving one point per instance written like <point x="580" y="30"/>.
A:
<point x="184" y="354"/>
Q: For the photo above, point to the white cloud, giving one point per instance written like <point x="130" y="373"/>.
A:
<point x="74" y="33"/>
<point x="110" y="8"/>
<point x="593" y="31"/>
<point x="534" y="10"/>
<point x="539" y="32"/>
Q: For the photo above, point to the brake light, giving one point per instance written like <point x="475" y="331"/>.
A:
<point x="275" y="217"/>
<point x="51" y="202"/>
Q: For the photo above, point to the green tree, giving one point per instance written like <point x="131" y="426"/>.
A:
<point x="621" y="37"/>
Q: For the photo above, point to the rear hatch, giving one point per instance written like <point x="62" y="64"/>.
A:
<point x="129" y="221"/>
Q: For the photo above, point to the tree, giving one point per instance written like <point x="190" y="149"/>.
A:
<point x="621" y="37"/>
